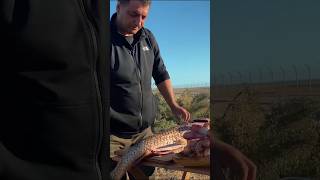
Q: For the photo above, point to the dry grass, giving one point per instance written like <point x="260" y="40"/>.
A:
<point x="165" y="174"/>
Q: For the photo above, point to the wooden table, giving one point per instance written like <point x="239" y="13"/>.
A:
<point x="167" y="163"/>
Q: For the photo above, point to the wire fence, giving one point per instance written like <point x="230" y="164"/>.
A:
<point x="292" y="75"/>
<point x="299" y="76"/>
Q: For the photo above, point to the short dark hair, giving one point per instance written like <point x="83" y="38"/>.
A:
<point x="145" y="2"/>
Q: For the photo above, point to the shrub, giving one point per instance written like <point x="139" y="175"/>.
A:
<point x="196" y="103"/>
<point x="282" y="138"/>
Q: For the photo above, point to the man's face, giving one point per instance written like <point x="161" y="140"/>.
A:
<point x="131" y="17"/>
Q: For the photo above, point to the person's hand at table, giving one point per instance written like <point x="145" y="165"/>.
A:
<point x="230" y="158"/>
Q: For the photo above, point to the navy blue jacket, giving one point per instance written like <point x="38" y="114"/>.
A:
<point x="132" y="105"/>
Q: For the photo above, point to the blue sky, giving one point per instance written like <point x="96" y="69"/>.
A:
<point x="182" y="29"/>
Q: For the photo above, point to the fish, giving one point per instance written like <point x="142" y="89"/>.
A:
<point x="153" y="144"/>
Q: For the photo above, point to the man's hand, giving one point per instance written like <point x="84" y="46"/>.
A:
<point x="166" y="90"/>
<point x="180" y="113"/>
<point x="230" y="158"/>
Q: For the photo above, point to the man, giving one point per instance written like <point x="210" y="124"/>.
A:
<point x="135" y="59"/>
<point x="53" y="91"/>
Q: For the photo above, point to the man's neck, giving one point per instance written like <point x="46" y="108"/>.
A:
<point x="120" y="29"/>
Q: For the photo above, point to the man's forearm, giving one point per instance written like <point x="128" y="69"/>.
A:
<point x="166" y="90"/>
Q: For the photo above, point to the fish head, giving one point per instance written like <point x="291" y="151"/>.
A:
<point x="194" y="130"/>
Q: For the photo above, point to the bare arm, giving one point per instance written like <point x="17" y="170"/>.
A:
<point x="166" y="91"/>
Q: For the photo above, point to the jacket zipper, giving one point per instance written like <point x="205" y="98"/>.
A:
<point x="133" y="54"/>
<point x="95" y="57"/>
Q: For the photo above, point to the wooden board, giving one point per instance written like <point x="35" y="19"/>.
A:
<point x="166" y="161"/>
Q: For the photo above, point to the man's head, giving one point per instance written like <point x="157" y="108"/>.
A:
<point x="131" y="15"/>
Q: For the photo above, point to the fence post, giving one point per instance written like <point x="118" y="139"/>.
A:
<point x="283" y="76"/>
<point x="260" y="75"/>
<point x="309" y="75"/>
<point x="240" y="77"/>
<point x="230" y="75"/>
<point x="250" y="77"/>
<point x="271" y="73"/>
<point x="296" y="72"/>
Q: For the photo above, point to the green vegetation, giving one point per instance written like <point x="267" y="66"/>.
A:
<point x="282" y="138"/>
<point x="196" y="103"/>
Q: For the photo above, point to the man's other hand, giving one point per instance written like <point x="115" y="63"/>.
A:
<point x="230" y="158"/>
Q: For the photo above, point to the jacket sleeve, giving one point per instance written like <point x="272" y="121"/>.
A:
<point x="159" y="72"/>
